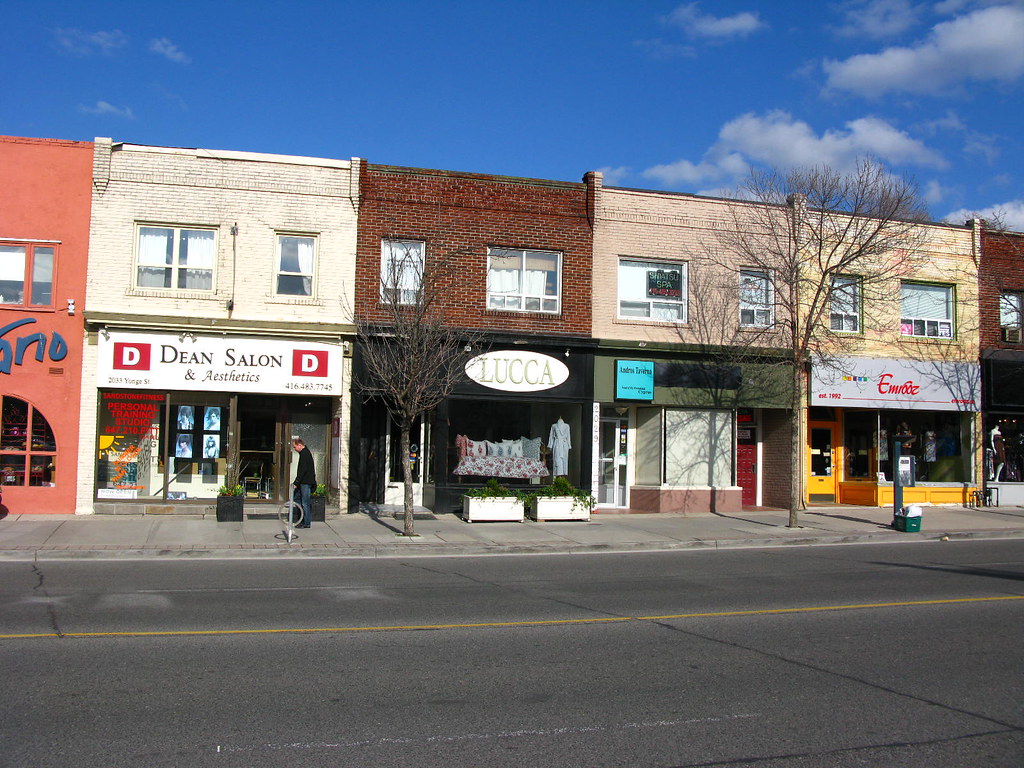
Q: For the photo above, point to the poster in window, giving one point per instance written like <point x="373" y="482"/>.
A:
<point x="211" y="419"/>
<point x="664" y="284"/>
<point x="211" y="446"/>
<point x="186" y="418"/>
<point x="183" y="446"/>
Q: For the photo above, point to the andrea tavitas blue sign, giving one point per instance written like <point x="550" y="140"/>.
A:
<point x="634" y="380"/>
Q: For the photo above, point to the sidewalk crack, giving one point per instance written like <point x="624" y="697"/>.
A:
<point x="51" y="610"/>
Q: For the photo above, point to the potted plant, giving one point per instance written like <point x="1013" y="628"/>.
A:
<point x="230" y="499"/>
<point x="560" y="501"/>
<point x="318" y="503"/>
<point x="492" y="502"/>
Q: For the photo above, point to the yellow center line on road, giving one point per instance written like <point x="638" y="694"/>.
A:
<point x="512" y="624"/>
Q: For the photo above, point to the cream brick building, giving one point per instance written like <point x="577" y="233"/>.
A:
<point x="218" y="314"/>
<point x="707" y="426"/>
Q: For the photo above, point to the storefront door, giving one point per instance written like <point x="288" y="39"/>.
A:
<point x="822" y="481"/>
<point x="612" y="491"/>
<point x="746" y="463"/>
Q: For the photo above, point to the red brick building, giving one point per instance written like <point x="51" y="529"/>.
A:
<point x="1001" y="305"/>
<point x="519" y="252"/>
<point x="44" y="239"/>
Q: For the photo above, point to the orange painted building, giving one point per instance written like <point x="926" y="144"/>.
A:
<point x="44" y="241"/>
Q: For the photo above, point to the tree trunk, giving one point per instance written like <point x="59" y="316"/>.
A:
<point x="407" y="481"/>
<point x="796" y="449"/>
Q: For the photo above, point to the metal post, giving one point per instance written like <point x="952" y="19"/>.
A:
<point x="897" y="485"/>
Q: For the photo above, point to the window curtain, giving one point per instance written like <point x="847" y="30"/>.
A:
<point x="196" y="254"/>
<point x="154" y="247"/>
<point x="926" y="301"/>
<point x="503" y="275"/>
<point x="305" y="253"/>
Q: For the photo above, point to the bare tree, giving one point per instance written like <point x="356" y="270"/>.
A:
<point x="412" y="356"/>
<point x="814" y="248"/>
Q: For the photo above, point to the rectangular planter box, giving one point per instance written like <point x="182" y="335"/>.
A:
<point x="318" y="506"/>
<point x="505" y="508"/>
<point x="229" y="509"/>
<point x="559" y="508"/>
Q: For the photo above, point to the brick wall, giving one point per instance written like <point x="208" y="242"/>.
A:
<point x="460" y="215"/>
<point x="1002" y="269"/>
<point x="776" y="475"/>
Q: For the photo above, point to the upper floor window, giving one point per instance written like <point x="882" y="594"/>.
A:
<point x="1010" y="308"/>
<point x="26" y="274"/>
<point x="845" y="309"/>
<point x="296" y="256"/>
<point x="654" y="290"/>
<point x="926" y="310"/>
<point x="176" y="258"/>
<point x="523" y="281"/>
<point x="28" y="450"/>
<point x="756" y="301"/>
<point x="401" y="270"/>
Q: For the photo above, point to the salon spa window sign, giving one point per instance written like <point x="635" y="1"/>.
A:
<point x="881" y="383"/>
<point x="154" y="361"/>
<point x="514" y="371"/>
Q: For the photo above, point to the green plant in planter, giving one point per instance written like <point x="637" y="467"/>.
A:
<point x="492" y="489"/>
<point x="320" y="490"/>
<point x="231" y="489"/>
<point x="561" y="488"/>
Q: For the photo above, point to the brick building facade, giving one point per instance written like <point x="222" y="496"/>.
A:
<point x="218" y="311"/>
<point x="518" y="256"/>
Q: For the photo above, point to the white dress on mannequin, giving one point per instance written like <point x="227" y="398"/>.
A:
<point x="559" y="444"/>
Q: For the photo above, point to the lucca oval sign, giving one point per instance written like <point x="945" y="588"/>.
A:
<point x="514" y="371"/>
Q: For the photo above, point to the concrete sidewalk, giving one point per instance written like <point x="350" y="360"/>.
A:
<point x="374" y="533"/>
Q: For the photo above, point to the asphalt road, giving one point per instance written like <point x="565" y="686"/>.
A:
<point x="896" y="655"/>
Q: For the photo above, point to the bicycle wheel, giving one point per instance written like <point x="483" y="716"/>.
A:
<point x="292" y="509"/>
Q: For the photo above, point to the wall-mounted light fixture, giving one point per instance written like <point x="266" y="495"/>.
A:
<point x="105" y="334"/>
<point x="186" y="335"/>
<point x="567" y="353"/>
<point x="71" y="306"/>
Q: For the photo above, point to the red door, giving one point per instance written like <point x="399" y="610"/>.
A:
<point x="746" y="463"/>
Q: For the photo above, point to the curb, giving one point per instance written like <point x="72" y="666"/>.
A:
<point x="425" y="549"/>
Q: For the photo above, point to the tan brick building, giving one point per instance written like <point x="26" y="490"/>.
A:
<point x="218" y="317"/>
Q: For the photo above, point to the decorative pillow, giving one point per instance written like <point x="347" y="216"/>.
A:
<point x="493" y="449"/>
<point x="516" y="448"/>
<point x="476" y="449"/>
<point x="531" y="448"/>
<point x="461" y="442"/>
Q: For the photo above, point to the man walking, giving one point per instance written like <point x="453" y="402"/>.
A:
<point x="305" y="481"/>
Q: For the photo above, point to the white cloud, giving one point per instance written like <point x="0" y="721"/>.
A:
<point x="81" y="43"/>
<point x="613" y="176"/>
<point x="878" y="18"/>
<point x="106" y="108"/>
<point x="165" y="47"/>
<point x="696" y="24"/>
<point x="933" y="192"/>
<point x="663" y="51"/>
<point x="777" y="139"/>
<point x="982" y="46"/>
<point x="1011" y="213"/>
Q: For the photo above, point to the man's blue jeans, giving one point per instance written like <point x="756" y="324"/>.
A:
<point x="303" y="496"/>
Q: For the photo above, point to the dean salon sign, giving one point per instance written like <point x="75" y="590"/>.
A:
<point x="512" y="371"/>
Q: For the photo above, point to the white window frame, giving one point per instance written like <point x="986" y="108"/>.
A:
<point x="916" y="325"/>
<point x="144" y="260"/>
<point x="519" y="300"/>
<point x="1011" y="309"/>
<point x="762" y="313"/>
<point x="652" y="303"/>
<point x="303" y="272"/>
<point x="845" y="304"/>
<point x="404" y="268"/>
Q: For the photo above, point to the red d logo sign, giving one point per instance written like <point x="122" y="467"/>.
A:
<point x="306" y="362"/>
<point x="131" y="357"/>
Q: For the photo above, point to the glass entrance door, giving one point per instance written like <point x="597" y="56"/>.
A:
<point x="612" y="490"/>
<point x="822" y="481"/>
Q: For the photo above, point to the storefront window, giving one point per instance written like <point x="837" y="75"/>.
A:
<point x="197" y="433"/>
<point x="28" y="450"/>
<point x="938" y="441"/>
<point x="861" y="429"/>
<point x="1004" y="449"/>
<point x="128" y="443"/>
<point x="515" y="442"/>
<point x="698" y="448"/>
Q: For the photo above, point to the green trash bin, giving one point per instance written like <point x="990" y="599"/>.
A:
<point x="908" y="519"/>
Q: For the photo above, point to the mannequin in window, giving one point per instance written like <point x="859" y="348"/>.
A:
<point x="995" y="442"/>
<point x="559" y="444"/>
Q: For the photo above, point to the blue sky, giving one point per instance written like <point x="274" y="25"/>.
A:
<point x="660" y="95"/>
